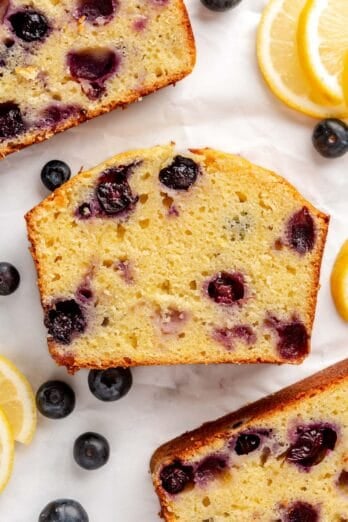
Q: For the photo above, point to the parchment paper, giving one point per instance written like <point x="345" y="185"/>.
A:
<point x="223" y="104"/>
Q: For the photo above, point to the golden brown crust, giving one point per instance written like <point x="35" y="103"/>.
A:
<point x="42" y="135"/>
<point x="187" y="444"/>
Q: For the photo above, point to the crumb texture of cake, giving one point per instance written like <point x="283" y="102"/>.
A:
<point x="156" y="257"/>
<point x="281" y="459"/>
<point x="62" y="62"/>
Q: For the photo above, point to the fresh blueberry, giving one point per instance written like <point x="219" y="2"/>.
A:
<point x="110" y="385"/>
<point x="247" y="443"/>
<point x="301" y="231"/>
<point x="91" y="451"/>
<point x="302" y="512"/>
<point x="181" y="174"/>
<point x="29" y="25"/>
<point x="63" y="510"/>
<point x="226" y="288"/>
<point x="54" y="174"/>
<point x="210" y="467"/>
<point x="293" y="340"/>
<point x="64" y="319"/>
<point x="11" y="120"/>
<point x="220" y="5"/>
<point x="96" y="10"/>
<point x="175" y="477"/>
<point x="55" y="399"/>
<point x="113" y="191"/>
<point x="9" y="278"/>
<point x="330" y="138"/>
<point x="312" y="445"/>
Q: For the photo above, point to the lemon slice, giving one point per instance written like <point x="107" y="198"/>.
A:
<point x="323" y="41"/>
<point x="278" y="55"/>
<point x="6" y="451"/>
<point x="17" y="401"/>
<point x="339" y="282"/>
<point x="345" y="78"/>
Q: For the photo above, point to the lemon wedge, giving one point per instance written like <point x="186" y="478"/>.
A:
<point x="6" y="451"/>
<point x="323" y="41"/>
<point x="17" y="401"/>
<point x="339" y="282"/>
<point x="279" y="61"/>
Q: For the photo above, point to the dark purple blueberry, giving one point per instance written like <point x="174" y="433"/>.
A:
<point x="220" y="5"/>
<point x="29" y="25"/>
<point x="210" y="467"/>
<point x="301" y="231"/>
<point x="63" y="510"/>
<point x="181" y="174"/>
<point x="111" y="384"/>
<point x="99" y="11"/>
<point x="311" y="445"/>
<point x="227" y="336"/>
<point x="55" y="114"/>
<point x="55" y="399"/>
<point x="226" y="288"/>
<point x="176" y="477"/>
<point x="91" y="451"/>
<point x="330" y="138"/>
<point x="293" y="340"/>
<point x="11" y="120"/>
<point x="54" y="174"/>
<point x="302" y="512"/>
<point x="113" y="191"/>
<point x="247" y="443"/>
<point x="9" y="278"/>
<point x="65" y="319"/>
<point x="93" y="64"/>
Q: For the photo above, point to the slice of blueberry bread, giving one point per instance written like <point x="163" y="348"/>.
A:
<point x="156" y="257"/>
<point x="281" y="459"/>
<point x="63" y="62"/>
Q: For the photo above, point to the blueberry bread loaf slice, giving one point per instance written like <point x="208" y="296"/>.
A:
<point x="63" y="62"/>
<point x="156" y="257"/>
<point x="281" y="459"/>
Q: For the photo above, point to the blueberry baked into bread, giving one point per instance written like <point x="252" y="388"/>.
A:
<point x="62" y="62"/>
<point x="281" y="459"/>
<point x="156" y="257"/>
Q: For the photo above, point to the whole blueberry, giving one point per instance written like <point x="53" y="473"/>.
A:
<point x="54" y="174"/>
<point x="91" y="451"/>
<point x="29" y="25"/>
<point x="181" y="174"/>
<point x="226" y="288"/>
<point x="247" y="443"/>
<point x="64" y="320"/>
<point x="330" y="138"/>
<point x="300" y="231"/>
<point x="175" y="477"/>
<point x="63" y="510"/>
<point x="220" y="5"/>
<point x="9" y="278"/>
<point x="55" y="399"/>
<point x="111" y="384"/>
<point x="312" y="445"/>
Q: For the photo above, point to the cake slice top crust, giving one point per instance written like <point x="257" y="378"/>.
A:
<point x="159" y="257"/>
<point x="279" y="458"/>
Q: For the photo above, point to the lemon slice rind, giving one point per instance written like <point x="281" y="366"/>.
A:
<point x="6" y="451"/>
<point x="24" y="400"/>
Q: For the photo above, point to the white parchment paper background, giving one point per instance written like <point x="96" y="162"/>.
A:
<point x="223" y="104"/>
